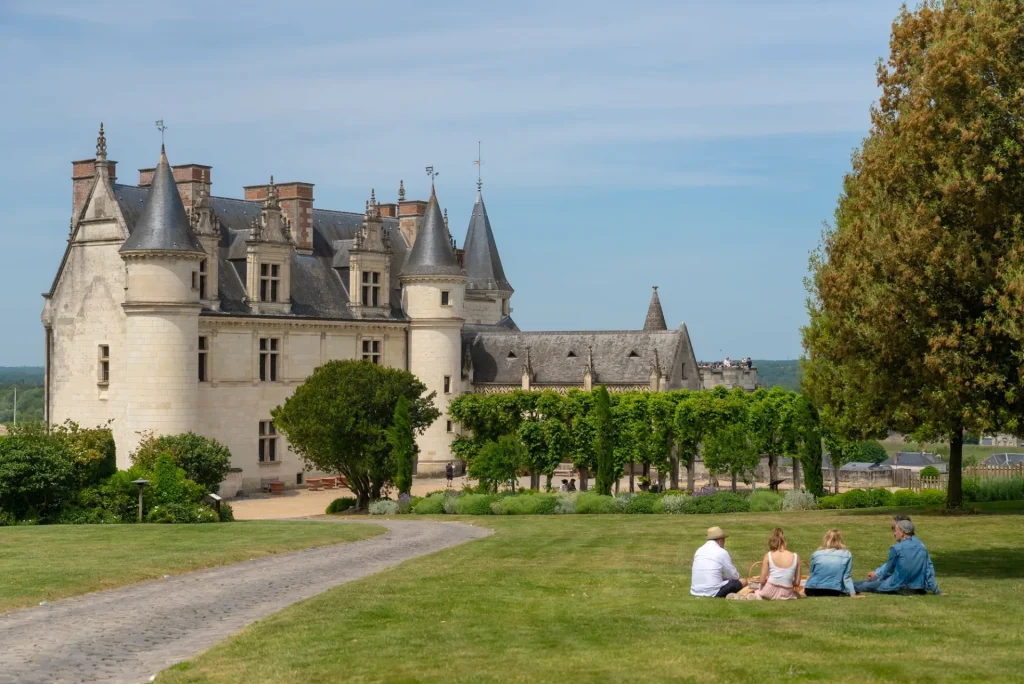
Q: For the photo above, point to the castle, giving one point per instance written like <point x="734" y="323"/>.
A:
<point x="174" y="310"/>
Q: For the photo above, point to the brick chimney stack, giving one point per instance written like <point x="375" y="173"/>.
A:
<point x="191" y="179"/>
<point x="82" y="173"/>
<point x="296" y="201"/>
<point x="410" y="218"/>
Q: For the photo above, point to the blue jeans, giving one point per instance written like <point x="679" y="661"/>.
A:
<point x="871" y="587"/>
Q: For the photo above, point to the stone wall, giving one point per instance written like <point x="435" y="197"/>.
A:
<point x="729" y="378"/>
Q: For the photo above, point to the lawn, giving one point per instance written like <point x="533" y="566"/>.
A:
<point x="48" y="562"/>
<point x="606" y="599"/>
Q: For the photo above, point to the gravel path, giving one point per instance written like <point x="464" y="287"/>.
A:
<point x="131" y="633"/>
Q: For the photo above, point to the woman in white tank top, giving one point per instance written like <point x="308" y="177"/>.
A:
<point x="780" y="572"/>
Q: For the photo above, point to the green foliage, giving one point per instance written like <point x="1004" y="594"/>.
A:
<point x="227" y="513"/>
<point x="204" y="460"/>
<point x="37" y="476"/>
<point x="830" y="502"/>
<point x="931" y="497"/>
<point x="929" y="471"/>
<point x="337" y="421"/>
<point x="994" y="489"/>
<point x="722" y="502"/>
<point x="430" y="505"/>
<point x="855" y="498"/>
<point x="182" y="514"/>
<point x="475" y="504"/>
<point x="403" y="445"/>
<point x="904" y="497"/>
<point x="673" y="504"/>
<point x="764" y="500"/>
<point x="92" y="450"/>
<point x="566" y="503"/>
<point x="870" y="451"/>
<point x="30" y="396"/>
<point x="880" y="497"/>
<point x="604" y="442"/>
<point x="592" y="502"/>
<point x="340" y="505"/>
<point x="499" y="463"/>
<point x="7" y="519"/>
<point x="529" y="504"/>
<point x="642" y="503"/>
<point x="384" y="507"/>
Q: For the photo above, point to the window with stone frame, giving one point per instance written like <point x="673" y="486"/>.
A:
<point x="270" y="350"/>
<point x="371" y="351"/>
<point x="446" y="298"/>
<point x="270" y="282"/>
<point x="447" y="384"/>
<point x="371" y="288"/>
<point x="202" y="279"/>
<point x="204" y="342"/>
<point x="103" y="364"/>
<point x="449" y="426"/>
<point x="268" y="442"/>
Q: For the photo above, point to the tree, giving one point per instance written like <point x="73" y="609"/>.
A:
<point x="696" y="412"/>
<point x="771" y="427"/>
<point x="807" y="429"/>
<point x="403" y="445"/>
<point x="204" y="459"/>
<point x="917" y="291"/>
<point x="579" y="418"/>
<point x="728" y="443"/>
<point x="337" y="421"/>
<point x="840" y="452"/>
<point x="870" y="451"/>
<point x="499" y="463"/>
<point x="604" y="441"/>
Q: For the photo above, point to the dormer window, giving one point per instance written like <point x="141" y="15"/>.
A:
<point x="512" y="355"/>
<point x="270" y="282"/>
<point x="371" y="288"/>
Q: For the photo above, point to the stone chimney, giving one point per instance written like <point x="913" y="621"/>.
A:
<point x="388" y="210"/>
<point x="191" y="179"/>
<point x="82" y="173"/>
<point x="296" y="200"/>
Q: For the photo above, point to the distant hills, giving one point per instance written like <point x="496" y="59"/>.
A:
<point x="29" y="375"/>
<point x="29" y="382"/>
<point x="785" y="373"/>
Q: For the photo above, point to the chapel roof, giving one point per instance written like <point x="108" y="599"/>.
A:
<point x="162" y="224"/>
<point x="655" y="316"/>
<point x="483" y="265"/>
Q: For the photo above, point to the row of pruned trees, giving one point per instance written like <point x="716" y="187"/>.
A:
<point x="602" y="434"/>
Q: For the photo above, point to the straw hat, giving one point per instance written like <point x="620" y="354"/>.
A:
<point x="716" y="533"/>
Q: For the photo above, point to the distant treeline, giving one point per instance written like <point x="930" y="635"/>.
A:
<point x="785" y="374"/>
<point x="29" y="382"/>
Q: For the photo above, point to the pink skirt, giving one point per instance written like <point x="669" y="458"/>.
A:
<point x="769" y="592"/>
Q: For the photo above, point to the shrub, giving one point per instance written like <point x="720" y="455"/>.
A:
<point x="798" y="500"/>
<point x="384" y="507"/>
<point x="566" y="504"/>
<point x="855" y="498"/>
<point x="591" y="503"/>
<point x="971" y="487"/>
<point x="880" y="497"/>
<point x="997" y="489"/>
<point x="673" y="503"/>
<point x="430" y="505"/>
<point x="227" y="513"/>
<point x="623" y="500"/>
<point x="450" y="503"/>
<point x="6" y="519"/>
<point x="722" y="502"/>
<point x="406" y="503"/>
<point x="475" y="504"/>
<point x="904" y="497"/>
<point x="170" y="484"/>
<point x="36" y="473"/>
<point x="765" y="500"/>
<point x="341" y="505"/>
<point x="931" y="497"/>
<point x="181" y="513"/>
<point x="204" y="460"/>
<point x="642" y="503"/>
<point x="86" y="516"/>
<point x="528" y="504"/>
<point x="830" y="502"/>
<point x="929" y="471"/>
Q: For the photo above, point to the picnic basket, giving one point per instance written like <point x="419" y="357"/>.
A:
<point x="754" y="578"/>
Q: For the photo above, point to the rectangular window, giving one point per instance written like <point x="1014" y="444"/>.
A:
<point x="195" y="280"/>
<point x="446" y="298"/>
<point x="371" y="288"/>
<point x="103" y="376"/>
<point x="270" y="278"/>
<point x="371" y="351"/>
<point x="447" y="384"/>
<point x="202" y="279"/>
<point x="268" y="358"/>
<point x="268" y="441"/>
<point x="203" y="349"/>
<point x="449" y="426"/>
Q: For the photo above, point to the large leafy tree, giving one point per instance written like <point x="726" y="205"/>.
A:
<point x="338" y="420"/>
<point x="729" y="445"/>
<point x="696" y="415"/>
<point x="499" y="462"/>
<point x="917" y="293"/>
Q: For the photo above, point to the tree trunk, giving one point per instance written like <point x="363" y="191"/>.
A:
<point x="617" y="486"/>
<point x="631" y="489"/>
<point x="548" y="487"/>
<point x="835" y="476"/>
<point x="954" y="490"/>
<point x="534" y="480"/>
<point x="796" y="473"/>
<point x="734" y="481"/>
<point x="647" y="469"/>
<point x="673" y="460"/>
<point x="661" y="482"/>
<point x="773" y="472"/>
<point x="584" y="478"/>
<point x="691" y="466"/>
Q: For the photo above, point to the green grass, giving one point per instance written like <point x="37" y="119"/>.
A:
<point x="606" y="599"/>
<point x="975" y="450"/>
<point x="49" y="562"/>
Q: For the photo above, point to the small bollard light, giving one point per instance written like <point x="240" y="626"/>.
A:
<point x="140" y="483"/>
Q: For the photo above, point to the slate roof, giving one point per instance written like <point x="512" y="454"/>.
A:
<point x="914" y="459"/>
<point x="622" y="357"/>
<point x="483" y="265"/>
<point x="655" y="316"/>
<point x="852" y="466"/>
<point x="1004" y="459"/>
<point x="319" y="281"/>
<point x="162" y="224"/>
<point x="432" y="253"/>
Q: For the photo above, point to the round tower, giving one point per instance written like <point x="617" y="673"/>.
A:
<point x="162" y="307"/>
<point x="433" y="298"/>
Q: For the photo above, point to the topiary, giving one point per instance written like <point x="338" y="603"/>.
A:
<point x="799" y="500"/>
<point x="642" y="503"/>
<point x="904" y="497"/>
<point x="566" y="503"/>
<point x="722" y="502"/>
<point x="880" y="497"/>
<point x="527" y="504"/>
<point x="672" y="504"/>
<point x="855" y="498"/>
<point x="341" y="505"/>
<point x="384" y="507"/>
<point x="929" y="471"/>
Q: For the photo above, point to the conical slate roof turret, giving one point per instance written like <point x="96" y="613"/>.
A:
<point x="483" y="265"/>
<point x="432" y="253"/>
<point x="163" y="225"/>
<point x="655" y="316"/>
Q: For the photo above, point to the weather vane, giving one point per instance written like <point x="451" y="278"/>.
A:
<point x="479" y="162"/>
<point x="160" y="127"/>
<point x="433" y="174"/>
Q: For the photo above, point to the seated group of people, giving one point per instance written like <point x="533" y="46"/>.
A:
<point x="908" y="570"/>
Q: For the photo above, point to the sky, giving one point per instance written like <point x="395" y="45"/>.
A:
<point x="695" y="146"/>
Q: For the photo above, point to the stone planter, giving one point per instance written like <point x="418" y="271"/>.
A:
<point x="329" y="482"/>
<point x="277" y="487"/>
<point x="313" y="484"/>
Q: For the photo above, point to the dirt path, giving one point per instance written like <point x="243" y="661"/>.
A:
<point x="131" y="633"/>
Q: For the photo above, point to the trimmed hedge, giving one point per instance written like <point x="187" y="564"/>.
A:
<point x="431" y="505"/>
<point x="341" y="505"/>
<point x="528" y="504"/>
<point x="590" y="503"/>
<point x="475" y="504"/>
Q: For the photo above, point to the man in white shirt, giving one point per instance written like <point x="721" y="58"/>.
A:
<point x="714" y="575"/>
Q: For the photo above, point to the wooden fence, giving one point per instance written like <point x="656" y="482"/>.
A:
<point x="907" y="479"/>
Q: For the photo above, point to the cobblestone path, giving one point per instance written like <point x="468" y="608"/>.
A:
<point x="131" y="633"/>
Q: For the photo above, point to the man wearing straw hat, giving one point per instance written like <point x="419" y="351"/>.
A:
<point x="714" y="575"/>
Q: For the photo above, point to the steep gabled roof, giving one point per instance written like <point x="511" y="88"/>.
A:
<point x="432" y="252"/>
<point x="655" y="316"/>
<point x="483" y="265"/>
<point x="163" y="225"/>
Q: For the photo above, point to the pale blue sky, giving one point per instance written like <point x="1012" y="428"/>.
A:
<point x="696" y="146"/>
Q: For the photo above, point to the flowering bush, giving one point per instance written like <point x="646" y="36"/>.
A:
<point x="799" y="500"/>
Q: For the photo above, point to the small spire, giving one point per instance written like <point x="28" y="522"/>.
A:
<point x="446" y="219"/>
<point x="433" y="174"/>
<point x="271" y="201"/>
<point x="479" y="162"/>
<point x="401" y="190"/>
<point x="101" y="144"/>
<point x="655" y="319"/>
<point x="373" y="198"/>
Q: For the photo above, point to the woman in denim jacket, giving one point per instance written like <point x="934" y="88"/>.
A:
<point x="831" y="568"/>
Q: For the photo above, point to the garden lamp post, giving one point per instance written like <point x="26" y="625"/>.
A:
<point x="140" y="483"/>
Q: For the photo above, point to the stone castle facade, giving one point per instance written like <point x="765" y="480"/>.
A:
<point x="174" y="310"/>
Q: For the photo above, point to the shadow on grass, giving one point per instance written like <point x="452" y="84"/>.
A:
<point x="995" y="563"/>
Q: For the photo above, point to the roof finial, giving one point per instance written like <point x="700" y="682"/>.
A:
<point x="433" y="174"/>
<point x="161" y="127"/>
<point x="401" y="191"/>
<point x="479" y="162"/>
<point x="101" y="144"/>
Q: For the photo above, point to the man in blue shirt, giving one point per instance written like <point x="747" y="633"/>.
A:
<point x="908" y="570"/>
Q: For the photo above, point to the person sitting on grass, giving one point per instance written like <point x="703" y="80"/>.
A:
<point x="831" y="568"/>
<point x="908" y="570"/>
<point x="780" y="572"/>
<point x="714" y="575"/>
